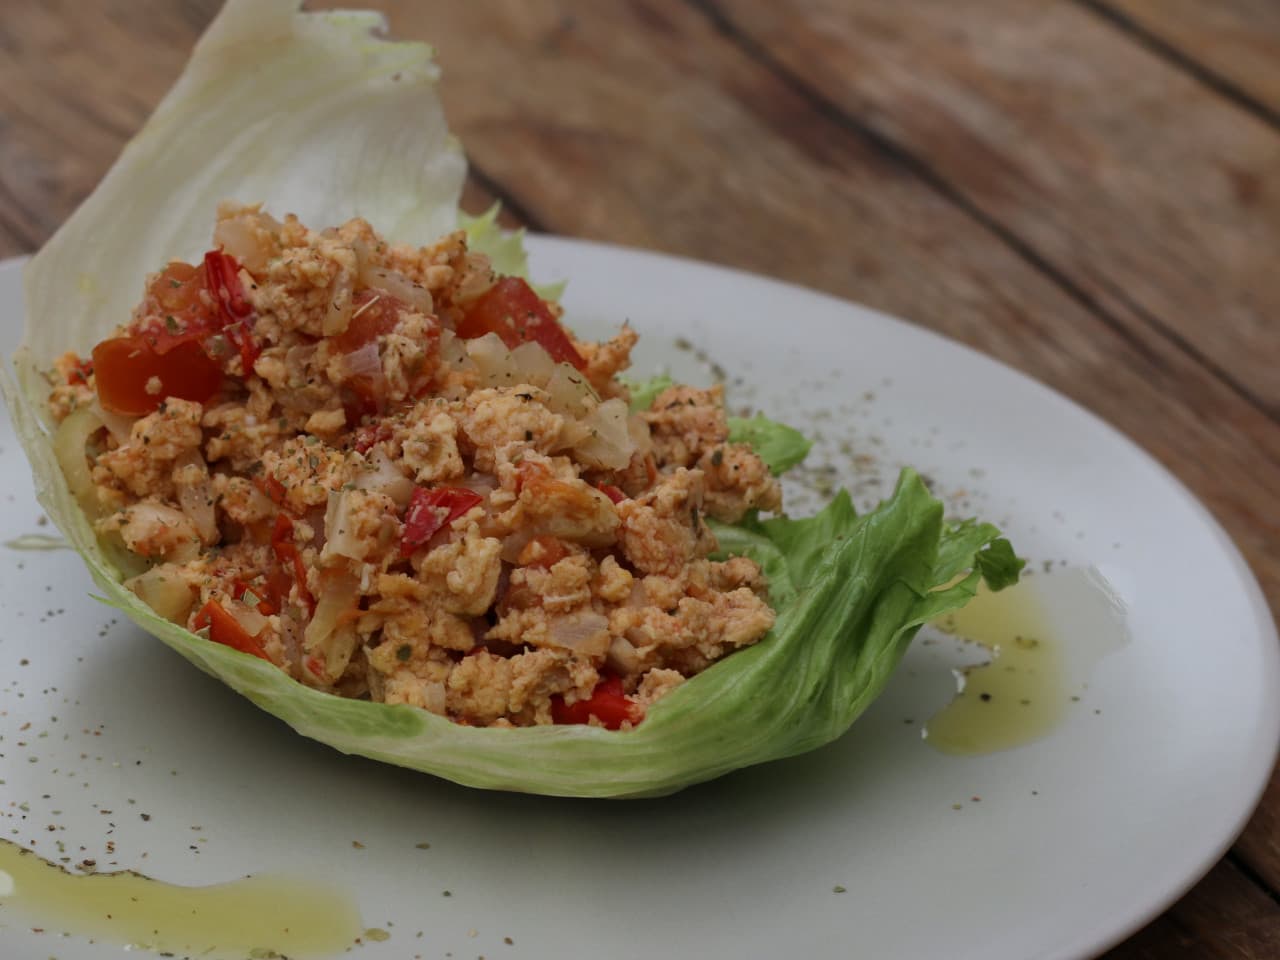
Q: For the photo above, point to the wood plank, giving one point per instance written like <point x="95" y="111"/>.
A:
<point x="75" y="85"/>
<point x="1237" y="41"/>
<point x="1226" y="917"/>
<point x="1125" y="173"/>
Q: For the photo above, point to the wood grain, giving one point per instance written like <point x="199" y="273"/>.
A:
<point x="1028" y="178"/>
<point x="1053" y="124"/>
<point x="1235" y="43"/>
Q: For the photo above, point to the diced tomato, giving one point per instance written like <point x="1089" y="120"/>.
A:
<point x="373" y="314"/>
<point x="430" y="511"/>
<point x="316" y="665"/>
<point x="81" y="372"/>
<point x="289" y="557"/>
<point x="607" y="703"/>
<point x="240" y="337"/>
<point x="613" y="493"/>
<point x="226" y="630"/>
<point x="517" y="315"/>
<point x="176" y="309"/>
<point x="125" y="366"/>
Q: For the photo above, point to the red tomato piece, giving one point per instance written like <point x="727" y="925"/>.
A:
<point x="176" y="309"/>
<point x="226" y="630"/>
<point x="430" y="511"/>
<point x="125" y="365"/>
<point x="517" y="315"/>
<point x="607" y="703"/>
<point x="222" y="279"/>
<point x="373" y="314"/>
<point x="613" y="493"/>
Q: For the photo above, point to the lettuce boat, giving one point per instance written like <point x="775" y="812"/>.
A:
<point x="315" y="114"/>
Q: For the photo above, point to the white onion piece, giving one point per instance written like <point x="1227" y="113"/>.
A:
<point x="532" y="363"/>
<point x="623" y="658"/>
<point x="453" y="351"/>
<point x="382" y="475"/>
<point x="364" y="362"/>
<point x="337" y="317"/>
<point x="164" y="591"/>
<point x="609" y="445"/>
<point x="331" y="633"/>
<point x="585" y="632"/>
<point x="117" y="424"/>
<point x="492" y="360"/>
<point x="477" y="278"/>
<point x="242" y="237"/>
<point x="569" y="392"/>
<point x="339" y="541"/>
<point x="69" y="443"/>
<point x="414" y="295"/>
<point x="195" y="493"/>
<point x="251" y="620"/>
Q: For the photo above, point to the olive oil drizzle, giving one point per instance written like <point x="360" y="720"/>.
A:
<point x="255" y="916"/>
<point x="1045" y="637"/>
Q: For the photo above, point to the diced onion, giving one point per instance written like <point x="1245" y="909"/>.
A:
<point x="338" y="315"/>
<point x="69" y="447"/>
<point x="585" y="632"/>
<point x="241" y="234"/>
<point x="623" y="658"/>
<point x="383" y="476"/>
<point x="532" y="363"/>
<point x="492" y="360"/>
<point x="251" y="620"/>
<point x="339" y="540"/>
<point x="433" y="696"/>
<point x="118" y="425"/>
<point x="364" y="362"/>
<point x="195" y="493"/>
<point x="570" y="393"/>
<point x="164" y="591"/>
<point x="331" y="633"/>
<point x="609" y="444"/>
<point x="399" y="286"/>
<point x="453" y="351"/>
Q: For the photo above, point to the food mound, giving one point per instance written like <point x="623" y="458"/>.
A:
<point x="395" y="475"/>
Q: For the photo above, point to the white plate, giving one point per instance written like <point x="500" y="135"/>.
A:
<point x="1078" y="839"/>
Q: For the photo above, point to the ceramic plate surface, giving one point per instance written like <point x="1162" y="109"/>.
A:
<point x="876" y="846"/>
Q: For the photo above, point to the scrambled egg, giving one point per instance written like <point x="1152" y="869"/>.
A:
<point x="394" y="475"/>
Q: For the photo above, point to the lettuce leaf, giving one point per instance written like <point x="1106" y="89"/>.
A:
<point x="779" y="446"/>
<point x="312" y="114"/>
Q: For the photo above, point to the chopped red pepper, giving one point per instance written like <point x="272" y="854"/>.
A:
<point x="430" y="511"/>
<point x="607" y="703"/>
<point x="369" y="434"/>
<point x="272" y="488"/>
<point x="613" y="493"/>
<point x="226" y="630"/>
<point x="512" y="310"/>
<point x="288" y="555"/>
<point x="222" y="278"/>
<point x="239" y="336"/>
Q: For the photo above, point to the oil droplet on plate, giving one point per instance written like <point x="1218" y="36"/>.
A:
<point x="1045" y="636"/>
<point x="256" y="916"/>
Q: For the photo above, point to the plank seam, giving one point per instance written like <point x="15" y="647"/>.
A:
<point x="1237" y="860"/>
<point x="509" y="200"/>
<point x="1210" y="78"/>
<point x="1023" y="249"/>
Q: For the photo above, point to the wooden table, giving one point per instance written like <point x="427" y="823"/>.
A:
<point x="1087" y="189"/>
